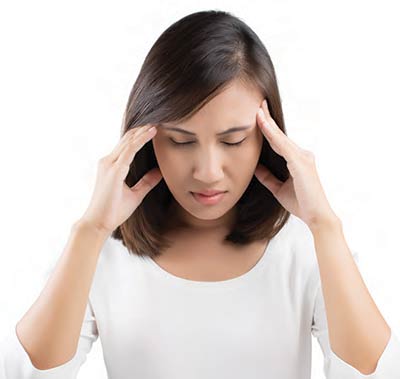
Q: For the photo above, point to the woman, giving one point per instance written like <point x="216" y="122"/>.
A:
<point x="181" y="282"/>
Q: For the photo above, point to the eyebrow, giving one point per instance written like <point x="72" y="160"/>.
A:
<point x="230" y="130"/>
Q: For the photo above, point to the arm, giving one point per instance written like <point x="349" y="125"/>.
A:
<point x="358" y="333"/>
<point x="50" y="329"/>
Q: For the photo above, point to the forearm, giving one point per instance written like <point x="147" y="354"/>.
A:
<point x="50" y="329"/>
<point x="358" y="333"/>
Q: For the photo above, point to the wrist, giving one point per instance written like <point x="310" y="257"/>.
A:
<point x="88" y="225"/>
<point x="328" y="222"/>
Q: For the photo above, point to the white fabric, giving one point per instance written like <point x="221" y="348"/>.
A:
<point x="153" y="324"/>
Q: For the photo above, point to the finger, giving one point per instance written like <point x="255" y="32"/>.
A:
<point x="146" y="183"/>
<point x="267" y="179"/>
<point x="278" y="140"/>
<point x="129" y="151"/>
<point x="126" y="139"/>
<point x="274" y="127"/>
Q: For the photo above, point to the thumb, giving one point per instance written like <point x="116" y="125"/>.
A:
<point x="147" y="182"/>
<point x="266" y="178"/>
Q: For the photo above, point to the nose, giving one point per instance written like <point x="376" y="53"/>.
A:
<point x="208" y="168"/>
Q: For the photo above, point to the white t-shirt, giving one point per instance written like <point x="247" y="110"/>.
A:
<point x="155" y="325"/>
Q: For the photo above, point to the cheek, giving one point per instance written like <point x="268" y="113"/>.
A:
<point x="243" y="165"/>
<point x="160" y="154"/>
<point x="250" y="152"/>
<point x="168" y="160"/>
<point x="259" y="138"/>
<point x="257" y="146"/>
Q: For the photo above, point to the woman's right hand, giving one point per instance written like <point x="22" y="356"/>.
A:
<point x="112" y="200"/>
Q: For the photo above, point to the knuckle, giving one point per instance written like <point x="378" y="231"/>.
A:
<point x="269" y="119"/>
<point x="130" y="130"/>
<point x="128" y="134"/>
<point x="122" y="165"/>
<point x="144" y="182"/>
<point x="135" y="137"/>
<point x="132" y="146"/>
<point x="139" y="140"/>
<point x="103" y="161"/>
<point x="309" y="156"/>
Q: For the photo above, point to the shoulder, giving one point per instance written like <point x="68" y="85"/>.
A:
<point x="114" y="258"/>
<point x="302" y="250"/>
<point x="296" y="252"/>
<point x="113" y="264"/>
<point x="297" y="238"/>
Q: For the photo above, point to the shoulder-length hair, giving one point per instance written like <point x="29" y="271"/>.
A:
<point x="191" y="62"/>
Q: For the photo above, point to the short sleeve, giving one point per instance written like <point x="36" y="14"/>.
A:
<point x="15" y="361"/>
<point x="388" y="366"/>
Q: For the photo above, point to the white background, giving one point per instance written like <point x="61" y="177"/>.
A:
<point x="66" y="72"/>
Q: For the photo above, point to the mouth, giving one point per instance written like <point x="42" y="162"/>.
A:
<point x="208" y="200"/>
<point x="209" y="192"/>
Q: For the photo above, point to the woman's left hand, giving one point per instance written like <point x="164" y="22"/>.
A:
<point x="302" y="193"/>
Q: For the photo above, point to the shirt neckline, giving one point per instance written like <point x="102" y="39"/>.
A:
<point x="227" y="283"/>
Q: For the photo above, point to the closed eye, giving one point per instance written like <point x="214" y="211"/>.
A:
<point x="191" y="142"/>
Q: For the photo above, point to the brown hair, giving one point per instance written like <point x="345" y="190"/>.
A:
<point x="192" y="61"/>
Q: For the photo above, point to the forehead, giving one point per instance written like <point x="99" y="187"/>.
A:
<point x="232" y="110"/>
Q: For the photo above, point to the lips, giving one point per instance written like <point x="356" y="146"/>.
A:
<point x="209" y="200"/>
<point x="209" y="192"/>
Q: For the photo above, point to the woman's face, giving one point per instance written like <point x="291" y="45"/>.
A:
<point x="208" y="162"/>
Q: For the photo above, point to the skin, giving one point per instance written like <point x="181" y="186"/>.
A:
<point x="197" y="231"/>
<point x="358" y="333"/>
<point x="208" y="162"/>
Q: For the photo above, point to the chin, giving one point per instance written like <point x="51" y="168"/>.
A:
<point x="213" y="212"/>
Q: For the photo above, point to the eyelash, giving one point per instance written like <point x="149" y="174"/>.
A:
<point x="189" y="143"/>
